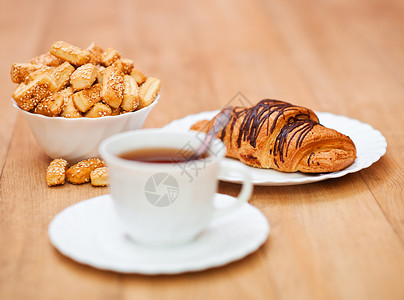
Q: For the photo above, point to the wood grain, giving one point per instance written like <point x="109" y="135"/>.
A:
<point x="337" y="239"/>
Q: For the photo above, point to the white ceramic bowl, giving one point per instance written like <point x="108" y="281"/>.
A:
<point x="77" y="139"/>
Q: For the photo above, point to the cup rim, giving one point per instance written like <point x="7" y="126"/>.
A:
<point x="113" y="158"/>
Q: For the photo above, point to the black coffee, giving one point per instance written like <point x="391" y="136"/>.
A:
<point x="159" y="155"/>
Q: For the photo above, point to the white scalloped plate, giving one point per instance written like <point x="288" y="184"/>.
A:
<point x="89" y="232"/>
<point x="370" y="146"/>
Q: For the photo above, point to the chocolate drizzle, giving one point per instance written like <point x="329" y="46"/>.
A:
<point x="254" y="120"/>
<point x="288" y="132"/>
<point x="308" y="160"/>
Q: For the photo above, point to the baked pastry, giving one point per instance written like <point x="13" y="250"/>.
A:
<point x="148" y="91"/>
<point x="83" y="77"/>
<point x="69" y="109"/>
<point x="138" y="75"/>
<point x="130" y="94"/>
<point x="110" y="56"/>
<point x="28" y="95"/>
<point x="279" y="135"/>
<point x="99" y="177"/>
<point x="85" y="99"/>
<point x="112" y="86"/>
<point x="70" y="53"/>
<point x="52" y="105"/>
<point x="56" y="172"/>
<point x="80" y="172"/>
<point x="95" y="53"/>
<point x="99" y="110"/>
<point x="47" y="59"/>
<point x="125" y="65"/>
<point x="19" y="72"/>
<point x="61" y="75"/>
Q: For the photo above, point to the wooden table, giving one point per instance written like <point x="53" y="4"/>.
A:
<point x="337" y="239"/>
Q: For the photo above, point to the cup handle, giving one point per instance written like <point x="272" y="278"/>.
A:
<point x="245" y="192"/>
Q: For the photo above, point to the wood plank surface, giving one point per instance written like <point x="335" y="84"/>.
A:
<point x="337" y="239"/>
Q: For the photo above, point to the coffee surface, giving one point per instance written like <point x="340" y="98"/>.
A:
<point x="159" y="155"/>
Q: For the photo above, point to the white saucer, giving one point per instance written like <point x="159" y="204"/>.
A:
<point x="89" y="233"/>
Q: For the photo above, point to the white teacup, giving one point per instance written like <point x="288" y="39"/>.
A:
<point x="167" y="203"/>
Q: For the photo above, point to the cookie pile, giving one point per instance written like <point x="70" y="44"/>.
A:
<point x="89" y="170"/>
<point x="72" y="82"/>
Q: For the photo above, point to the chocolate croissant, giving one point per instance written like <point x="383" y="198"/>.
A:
<point x="285" y="137"/>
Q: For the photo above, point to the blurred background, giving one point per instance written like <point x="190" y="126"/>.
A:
<point x="322" y="53"/>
